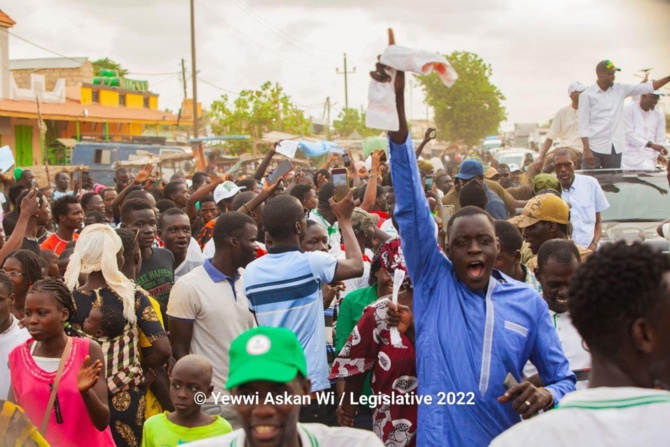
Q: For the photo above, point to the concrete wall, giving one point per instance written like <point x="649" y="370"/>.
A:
<point x="4" y="59"/>
<point x="72" y="76"/>
<point x="9" y="138"/>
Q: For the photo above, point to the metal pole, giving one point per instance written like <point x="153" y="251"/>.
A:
<point x="346" y="86"/>
<point x="183" y="77"/>
<point x="193" y="69"/>
<point x="346" y="89"/>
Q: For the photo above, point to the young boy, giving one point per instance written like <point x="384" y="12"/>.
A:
<point x="104" y="321"/>
<point x="156" y="275"/>
<point x="191" y="378"/>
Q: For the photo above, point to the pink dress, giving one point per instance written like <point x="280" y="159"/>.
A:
<point x="31" y="387"/>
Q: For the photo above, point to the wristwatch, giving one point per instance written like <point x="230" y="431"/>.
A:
<point x="649" y="143"/>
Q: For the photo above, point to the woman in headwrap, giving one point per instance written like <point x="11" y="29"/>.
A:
<point x="99" y="254"/>
<point x="369" y="347"/>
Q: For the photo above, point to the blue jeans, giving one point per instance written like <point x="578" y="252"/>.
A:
<point x="604" y="161"/>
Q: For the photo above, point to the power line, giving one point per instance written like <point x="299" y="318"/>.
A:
<point x="153" y="74"/>
<point x="274" y="51"/>
<point x="279" y="33"/>
<point x="43" y="48"/>
<point x="217" y="87"/>
<point x="79" y="61"/>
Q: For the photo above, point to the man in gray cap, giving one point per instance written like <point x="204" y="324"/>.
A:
<point x="600" y="116"/>
<point x="565" y="126"/>
<point x="645" y="133"/>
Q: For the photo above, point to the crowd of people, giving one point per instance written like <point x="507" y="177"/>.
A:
<point x="217" y="310"/>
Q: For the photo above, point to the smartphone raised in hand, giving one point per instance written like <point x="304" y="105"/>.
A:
<point x="340" y="183"/>
<point x="284" y="168"/>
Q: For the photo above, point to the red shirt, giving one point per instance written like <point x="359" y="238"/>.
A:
<point x="56" y="244"/>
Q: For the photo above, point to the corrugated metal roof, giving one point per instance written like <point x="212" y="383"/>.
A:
<point x="48" y="62"/>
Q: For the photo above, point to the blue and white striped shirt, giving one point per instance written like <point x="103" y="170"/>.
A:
<point x="284" y="290"/>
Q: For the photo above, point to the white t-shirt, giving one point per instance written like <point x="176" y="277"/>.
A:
<point x="11" y="338"/>
<point x="194" y="258"/>
<point x="597" y="417"/>
<point x="565" y="128"/>
<point x="311" y="435"/>
<point x="573" y="345"/>
<point x="205" y="297"/>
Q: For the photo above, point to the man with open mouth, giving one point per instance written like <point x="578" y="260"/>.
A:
<point x="268" y="379"/>
<point x="473" y="327"/>
<point x="557" y="262"/>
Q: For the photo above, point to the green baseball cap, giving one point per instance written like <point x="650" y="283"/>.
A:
<point x="265" y="353"/>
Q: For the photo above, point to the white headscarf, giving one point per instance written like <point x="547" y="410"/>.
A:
<point x="96" y="250"/>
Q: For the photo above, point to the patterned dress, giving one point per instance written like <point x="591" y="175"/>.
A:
<point x="393" y="368"/>
<point x="123" y="371"/>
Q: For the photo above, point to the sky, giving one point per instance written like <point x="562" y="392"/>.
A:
<point x="536" y="48"/>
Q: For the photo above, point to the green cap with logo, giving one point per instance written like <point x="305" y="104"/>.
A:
<point x="265" y="353"/>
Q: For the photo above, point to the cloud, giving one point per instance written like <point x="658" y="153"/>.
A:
<point x="535" y="48"/>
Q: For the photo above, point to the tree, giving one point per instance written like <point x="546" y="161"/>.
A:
<point x="350" y="121"/>
<point x="256" y="112"/>
<point x="108" y="64"/>
<point x="471" y="109"/>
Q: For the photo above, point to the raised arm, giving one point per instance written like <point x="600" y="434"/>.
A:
<point x="352" y="265"/>
<point x="260" y="172"/>
<point x="29" y="207"/>
<point x="412" y="212"/>
<point x="266" y="193"/>
<point x="370" y="197"/>
<point x="142" y="178"/>
<point x="201" y="193"/>
<point x="429" y="135"/>
<point x="660" y="82"/>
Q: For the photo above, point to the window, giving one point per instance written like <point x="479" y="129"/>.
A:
<point x="122" y="99"/>
<point x="95" y="96"/>
<point x="146" y="102"/>
<point x="102" y="157"/>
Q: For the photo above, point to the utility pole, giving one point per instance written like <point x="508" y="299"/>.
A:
<point x="183" y="77"/>
<point x="345" y="73"/>
<point x="194" y="73"/>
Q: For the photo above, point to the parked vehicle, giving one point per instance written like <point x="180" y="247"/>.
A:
<point x="514" y="155"/>
<point x="102" y="157"/>
<point x="639" y="203"/>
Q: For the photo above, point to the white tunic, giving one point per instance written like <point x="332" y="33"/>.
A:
<point x="311" y="435"/>
<point x="597" y="417"/>
<point x="642" y="127"/>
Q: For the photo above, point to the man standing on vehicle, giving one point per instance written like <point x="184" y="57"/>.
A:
<point x="587" y="199"/>
<point x="600" y="113"/>
<point x="645" y="133"/>
<point x="565" y="126"/>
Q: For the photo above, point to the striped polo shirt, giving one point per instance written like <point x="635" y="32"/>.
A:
<point x="284" y="290"/>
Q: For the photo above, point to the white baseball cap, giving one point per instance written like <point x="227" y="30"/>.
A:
<point x="576" y="87"/>
<point x="658" y="93"/>
<point x="226" y="190"/>
<point x="513" y="167"/>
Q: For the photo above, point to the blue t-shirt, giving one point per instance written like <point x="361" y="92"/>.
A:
<point x="495" y="206"/>
<point x="284" y="290"/>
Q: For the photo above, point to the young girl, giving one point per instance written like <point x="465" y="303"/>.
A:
<point x="23" y="268"/>
<point x="80" y="409"/>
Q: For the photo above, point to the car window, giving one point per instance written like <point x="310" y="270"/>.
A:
<point x="636" y="199"/>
